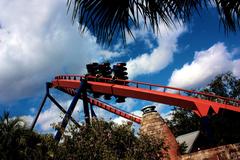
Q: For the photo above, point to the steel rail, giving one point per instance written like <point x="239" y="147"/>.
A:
<point x="210" y="97"/>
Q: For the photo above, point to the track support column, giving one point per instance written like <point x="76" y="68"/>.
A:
<point x="67" y="116"/>
<point x="85" y="107"/>
<point x="41" y="106"/>
<point x="93" y="115"/>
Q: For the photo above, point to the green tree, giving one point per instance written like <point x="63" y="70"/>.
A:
<point x="107" y="140"/>
<point x="183" y="121"/>
<point x="225" y="126"/>
<point x="225" y="85"/>
<point x="100" y="140"/>
<point x="18" y="142"/>
<point x="107" y="19"/>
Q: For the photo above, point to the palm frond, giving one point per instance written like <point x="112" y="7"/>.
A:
<point x="108" y="19"/>
<point x="229" y="13"/>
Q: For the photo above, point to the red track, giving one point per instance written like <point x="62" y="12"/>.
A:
<point x="200" y="103"/>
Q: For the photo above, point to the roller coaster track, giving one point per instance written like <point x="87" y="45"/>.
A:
<point x="198" y="102"/>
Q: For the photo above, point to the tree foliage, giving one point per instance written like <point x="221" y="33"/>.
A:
<point x="100" y="140"/>
<point x="18" y="142"/>
<point x="216" y="129"/>
<point x="183" y="121"/>
<point x="225" y="85"/>
<point x="107" y="140"/>
<point x="107" y="19"/>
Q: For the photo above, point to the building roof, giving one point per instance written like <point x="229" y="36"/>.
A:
<point x="189" y="139"/>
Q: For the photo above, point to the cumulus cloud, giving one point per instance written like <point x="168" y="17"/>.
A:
<point x="38" y="41"/>
<point x="52" y="115"/>
<point x="121" y="120"/>
<point x="28" y="119"/>
<point x="204" y="67"/>
<point x="160" y="57"/>
<point x="236" y="67"/>
<point x="128" y="105"/>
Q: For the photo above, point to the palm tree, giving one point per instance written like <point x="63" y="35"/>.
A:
<point x="19" y="142"/>
<point x="107" y="19"/>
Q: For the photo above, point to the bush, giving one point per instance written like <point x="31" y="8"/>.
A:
<point x="107" y="140"/>
<point x="18" y="142"/>
<point x="100" y="140"/>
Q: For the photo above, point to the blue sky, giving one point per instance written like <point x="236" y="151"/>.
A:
<point x="38" y="41"/>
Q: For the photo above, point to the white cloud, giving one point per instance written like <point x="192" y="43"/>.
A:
<point x="106" y="55"/>
<point x="160" y="57"/>
<point x="236" y="67"/>
<point x="160" y="107"/>
<point x="168" y="115"/>
<point x="38" y="41"/>
<point x="205" y="66"/>
<point x="32" y="110"/>
<point x="50" y="116"/>
<point x="128" y="105"/>
<point x="142" y="33"/>
<point x="28" y="119"/>
<point x="53" y="115"/>
<point x="121" y="120"/>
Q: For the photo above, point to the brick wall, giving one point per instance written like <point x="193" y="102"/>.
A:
<point x="227" y="152"/>
<point x="152" y="124"/>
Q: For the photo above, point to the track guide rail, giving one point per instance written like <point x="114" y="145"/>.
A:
<point x="198" y="102"/>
